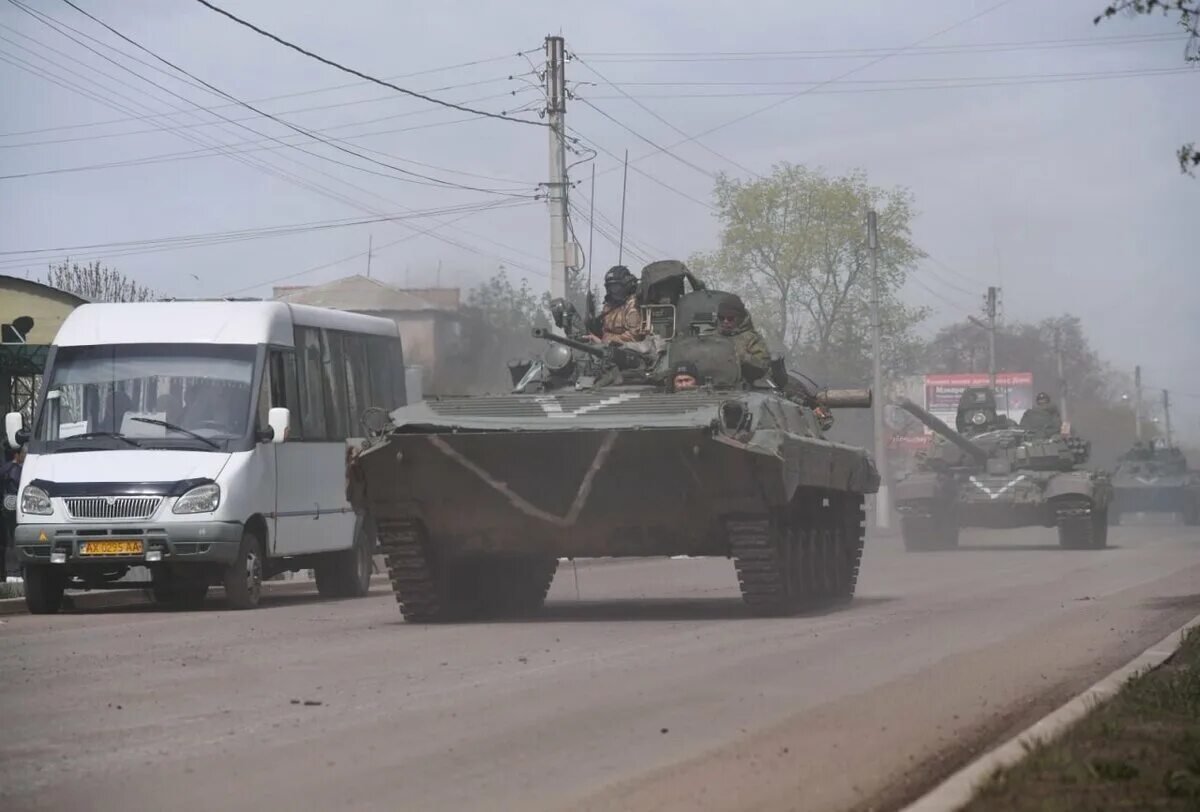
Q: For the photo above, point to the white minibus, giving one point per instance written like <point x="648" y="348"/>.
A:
<point x="205" y="441"/>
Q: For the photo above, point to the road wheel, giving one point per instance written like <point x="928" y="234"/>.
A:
<point x="173" y="590"/>
<point x="44" y="589"/>
<point x="347" y="573"/>
<point x="243" y="576"/>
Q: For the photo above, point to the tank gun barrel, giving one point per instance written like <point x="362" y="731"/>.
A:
<point x="975" y="452"/>
<point x="845" y="398"/>
<point x="621" y="356"/>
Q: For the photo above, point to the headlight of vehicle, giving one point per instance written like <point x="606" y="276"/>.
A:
<point x="200" y="499"/>
<point x="36" y="501"/>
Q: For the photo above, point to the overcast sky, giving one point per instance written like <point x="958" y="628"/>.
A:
<point x="1057" y="182"/>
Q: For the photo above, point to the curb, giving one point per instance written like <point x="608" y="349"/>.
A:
<point x="117" y="598"/>
<point x="959" y="789"/>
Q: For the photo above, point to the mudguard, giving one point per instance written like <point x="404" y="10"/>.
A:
<point x="1074" y="483"/>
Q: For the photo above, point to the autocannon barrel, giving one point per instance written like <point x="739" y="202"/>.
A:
<point x="845" y="398"/>
<point x="591" y="349"/>
<point x="974" y="451"/>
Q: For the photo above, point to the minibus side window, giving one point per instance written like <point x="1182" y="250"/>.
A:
<point x="284" y="392"/>
<point x="333" y="366"/>
<point x="358" y="385"/>
<point x="312" y="394"/>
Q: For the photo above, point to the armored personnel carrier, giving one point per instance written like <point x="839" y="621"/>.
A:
<point x="593" y="454"/>
<point x="1000" y="477"/>
<point x="1155" y="478"/>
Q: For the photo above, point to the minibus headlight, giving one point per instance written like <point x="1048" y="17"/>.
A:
<point x="200" y="499"/>
<point x="36" y="501"/>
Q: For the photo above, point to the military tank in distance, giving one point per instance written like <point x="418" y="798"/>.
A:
<point x="477" y="498"/>
<point x="993" y="474"/>
<point x="1154" y="477"/>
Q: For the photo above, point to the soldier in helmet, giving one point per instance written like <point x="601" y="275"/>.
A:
<point x="1043" y="418"/>
<point x="734" y="322"/>
<point x="620" y="319"/>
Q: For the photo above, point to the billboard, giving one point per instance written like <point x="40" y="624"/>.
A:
<point x="1014" y="393"/>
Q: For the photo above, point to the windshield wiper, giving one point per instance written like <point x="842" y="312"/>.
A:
<point x="90" y="434"/>
<point x="172" y="427"/>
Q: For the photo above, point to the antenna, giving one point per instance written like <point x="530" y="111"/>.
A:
<point x="624" y="183"/>
<point x="370" y="238"/>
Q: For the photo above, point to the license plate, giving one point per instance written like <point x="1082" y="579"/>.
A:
<point x="110" y="548"/>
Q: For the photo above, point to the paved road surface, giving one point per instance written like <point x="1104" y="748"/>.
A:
<point x="653" y="689"/>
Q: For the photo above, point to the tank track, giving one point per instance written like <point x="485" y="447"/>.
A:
<point x="1080" y="527"/>
<point x="514" y="586"/>
<point x="784" y="569"/>
<point x="416" y="581"/>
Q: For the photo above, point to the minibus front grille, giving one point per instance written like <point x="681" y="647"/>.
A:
<point x="112" y="507"/>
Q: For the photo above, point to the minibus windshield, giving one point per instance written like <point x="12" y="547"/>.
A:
<point x="147" y="395"/>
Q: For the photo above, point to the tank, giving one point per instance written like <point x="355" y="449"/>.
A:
<point x="477" y="498"/>
<point x="1002" y="477"/>
<point x="1155" y="478"/>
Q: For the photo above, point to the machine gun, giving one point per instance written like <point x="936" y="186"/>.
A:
<point x="622" y="358"/>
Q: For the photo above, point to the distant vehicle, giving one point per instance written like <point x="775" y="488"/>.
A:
<point x="1000" y="476"/>
<point x="1155" y="478"/>
<point x="592" y="454"/>
<point x="204" y="440"/>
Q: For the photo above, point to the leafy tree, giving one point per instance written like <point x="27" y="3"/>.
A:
<point x="97" y="283"/>
<point x="793" y="246"/>
<point x="1189" y="21"/>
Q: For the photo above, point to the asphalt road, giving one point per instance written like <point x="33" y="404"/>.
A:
<point x="649" y="688"/>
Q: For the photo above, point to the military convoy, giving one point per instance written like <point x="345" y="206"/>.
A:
<point x="475" y="499"/>
<point x="1155" y="478"/>
<point x="991" y="473"/>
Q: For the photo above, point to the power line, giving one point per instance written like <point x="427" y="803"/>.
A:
<point x="312" y="185"/>
<point x="352" y="71"/>
<point x="645" y="174"/>
<point x="313" y="91"/>
<point x="659" y="118"/>
<point x="431" y="179"/>
<point x="854" y="53"/>
<point x="666" y="150"/>
<point x="896" y="85"/>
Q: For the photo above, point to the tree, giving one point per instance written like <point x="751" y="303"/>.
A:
<point x="1189" y="21"/>
<point x="97" y="283"/>
<point x="793" y="247"/>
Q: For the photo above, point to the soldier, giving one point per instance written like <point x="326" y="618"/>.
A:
<point x="734" y="322"/>
<point x="684" y="376"/>
<point x="620" y="319"/>
<point x="1043" y="418"/>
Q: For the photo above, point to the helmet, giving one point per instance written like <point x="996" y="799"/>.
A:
<point x="619" y="284"/>
<point x="1042" y="397"/>
<point x="731" y="307"/>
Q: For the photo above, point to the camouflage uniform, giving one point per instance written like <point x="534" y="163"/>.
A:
<point x="622" y="322"/>
<point x="1042" y="419"/>
<point x="751" y="349"/>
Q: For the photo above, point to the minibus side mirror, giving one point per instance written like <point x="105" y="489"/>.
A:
<point x="279" y="419"/>
<point x="14" y="429"/>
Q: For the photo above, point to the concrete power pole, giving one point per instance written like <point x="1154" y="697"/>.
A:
<point x="991" y="314"/>
<point x="883" y="502"/>
<point x="556" y="187"/>
<point x="1137" y="403"/>
<point x="1167" y="415"/>
<point x="1062" y="377"/>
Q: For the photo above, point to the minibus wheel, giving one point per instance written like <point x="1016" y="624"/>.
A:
<point x="244" y="575"/>
<point x="44" y="587"/>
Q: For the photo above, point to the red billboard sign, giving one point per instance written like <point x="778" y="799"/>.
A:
<point x="1014" y="392"/>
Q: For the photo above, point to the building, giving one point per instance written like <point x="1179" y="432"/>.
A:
<point x="30" y="315"/>
<point x="429" y="319"/>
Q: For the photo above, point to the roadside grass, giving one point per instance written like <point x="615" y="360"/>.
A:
<point x="1139" y="750"/>
<point x="12" y="590"/>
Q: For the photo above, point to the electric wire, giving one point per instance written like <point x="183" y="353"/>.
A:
<point x="352" y="71"/>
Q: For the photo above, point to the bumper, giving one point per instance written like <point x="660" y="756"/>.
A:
<point x="179" y="543"/>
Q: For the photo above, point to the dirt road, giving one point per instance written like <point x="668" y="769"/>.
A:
<point x="652" y="689"/>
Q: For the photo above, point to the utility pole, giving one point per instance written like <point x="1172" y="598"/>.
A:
<point x="1167" y="415"/>
<point x="556" y="187"/>
<point x="1062" y="378"/>
<point x="1137" y="402"/>
<point x="991" y="314"/>
<point x="883" y="502"/>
